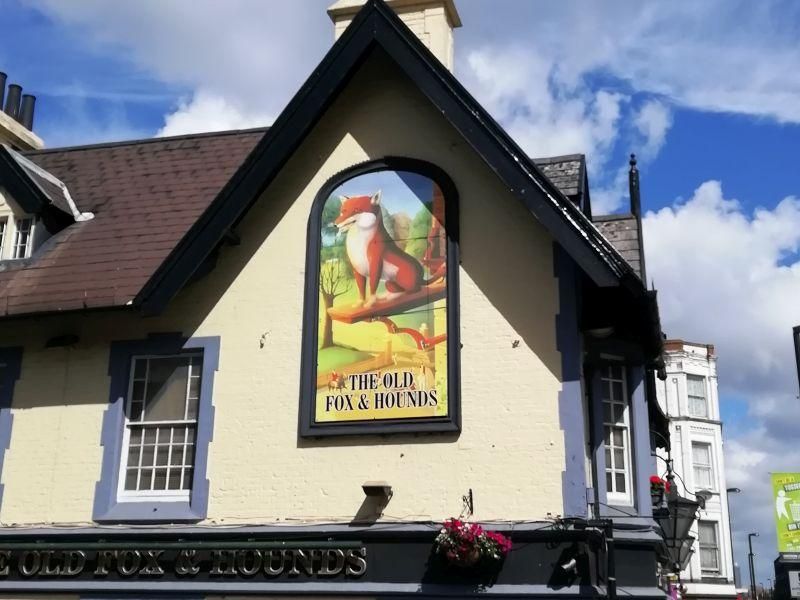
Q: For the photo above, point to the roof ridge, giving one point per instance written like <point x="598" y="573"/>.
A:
<point x="560" y="158"/>
<point x="170" y="138"/>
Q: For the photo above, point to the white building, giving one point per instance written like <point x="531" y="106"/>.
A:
<point x="689" y="398"/>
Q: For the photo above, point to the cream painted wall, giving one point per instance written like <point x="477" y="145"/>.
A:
<point x="511" y="450"/>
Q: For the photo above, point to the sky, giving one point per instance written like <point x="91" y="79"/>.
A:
<point x="707" y="94"/>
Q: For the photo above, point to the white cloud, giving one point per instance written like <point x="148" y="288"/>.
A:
<point x="245" y="56"/>
<point x="209" y="112"/>
<point x="557" y="57"/>
<point x="544" y="115"/>
<point x="731" y="278"/>
<point x="652" y="121"/>
<point x="719" y="55"/>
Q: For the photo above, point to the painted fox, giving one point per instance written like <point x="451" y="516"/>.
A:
<point x="373" y="254"/>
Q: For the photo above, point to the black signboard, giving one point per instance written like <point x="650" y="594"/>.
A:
<point x="384" y="559"/>
<point x="171" y="561"/>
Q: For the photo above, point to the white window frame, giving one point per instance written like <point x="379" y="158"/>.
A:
<point x="15" y="245"/>
<point x="704" y="467"/>
<point x="716" y="547"/>
<point x="704" y="381"/>
<point x="613" y="496"/>
<point x="149" y="495"/>
<point x="4" y="225"/>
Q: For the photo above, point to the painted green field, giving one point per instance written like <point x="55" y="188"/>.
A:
<point x="330" y="359"/>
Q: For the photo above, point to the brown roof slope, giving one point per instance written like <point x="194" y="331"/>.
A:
<point x="145" y="195"/>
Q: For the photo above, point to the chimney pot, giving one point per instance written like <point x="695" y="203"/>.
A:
<point x="12" y="101"/>
<point x="27" y="110"/>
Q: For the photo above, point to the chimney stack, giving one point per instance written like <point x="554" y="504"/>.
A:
<point x="26" y="111"/>
<point x="433" y="22"/>
<point x="16" y="118"/>
<point x="12" y="101"/>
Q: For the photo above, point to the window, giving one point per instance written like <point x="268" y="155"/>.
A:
<point x="703" y="471"/>
<point x="3" y="227"/>
<point x="709" y="546"/>
<point x="160" y="426"/>
<point x="22" y="238"/>
<point x="616" y="430"/>
<point x="157" y="429"/>
<point x="698" y="404"/>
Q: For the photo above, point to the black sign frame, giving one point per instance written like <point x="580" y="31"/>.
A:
<point x="308" y="427"/>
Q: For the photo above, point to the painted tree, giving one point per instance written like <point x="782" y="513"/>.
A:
<point x="335" y="279"/>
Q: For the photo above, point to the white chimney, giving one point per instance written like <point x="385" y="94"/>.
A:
<point x="432" y="21"/>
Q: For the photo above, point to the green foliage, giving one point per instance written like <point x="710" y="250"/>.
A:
<point x="329" y="213"/>
<point x="337" y="253"/>
<point x="418" y="235"/>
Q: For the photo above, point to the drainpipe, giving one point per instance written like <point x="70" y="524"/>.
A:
<point x="607" y="527"/>
<point x="612" y="563"/>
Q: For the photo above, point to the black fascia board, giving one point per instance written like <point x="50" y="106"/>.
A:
<point x="24" y="191"/>
<point x="376" y="26"/>
<point x="261" y="166"/>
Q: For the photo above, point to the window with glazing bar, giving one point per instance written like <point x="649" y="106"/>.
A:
<point x="22" y="238"/>
<point x="709" y="546"/>
<point x="698" y="403"/>
<point x="616" y="431"/>
<point x="3" y="228"/>
<point x="702" y="466"/>
<point x="160" y="427"/>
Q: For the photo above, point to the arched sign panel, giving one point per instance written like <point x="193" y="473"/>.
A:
<point x="380" y="351"/>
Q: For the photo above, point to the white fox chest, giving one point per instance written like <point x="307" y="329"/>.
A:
<point x="356" y="244"/>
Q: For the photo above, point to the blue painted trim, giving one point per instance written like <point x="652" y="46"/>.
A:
<point x="598" y="445"/>
<point x="570" y="397"/>
<point x="641" y="457"/>
<point x="106" y="506"/>
<point x="12" y="358"/>
<point x="640" y="430"/>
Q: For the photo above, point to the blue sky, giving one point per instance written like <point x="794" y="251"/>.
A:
<point x="707" y="94"/>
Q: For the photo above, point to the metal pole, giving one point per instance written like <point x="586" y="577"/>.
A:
<point x="750" y="537"/>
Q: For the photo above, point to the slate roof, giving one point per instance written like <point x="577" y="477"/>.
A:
<point x="623" y="232"/>
<point x="569" y="175"/>
<point x="567" y="172"/>
<point x="145" y="195"/>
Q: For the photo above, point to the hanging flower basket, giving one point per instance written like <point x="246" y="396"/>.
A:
<point x="466" y="545"/>
<point x="658" y="487"/>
